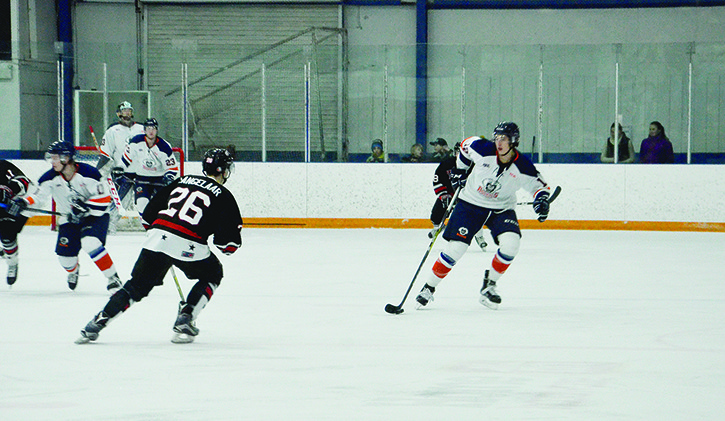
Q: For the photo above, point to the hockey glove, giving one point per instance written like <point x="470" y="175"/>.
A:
<point x="541" y="205"/>
<point x="445" y="199"/>
<point x="116" y="173"/>
<point x="6" y="194"/>
<point x="458" y="178"/>
<point x="78" y="211"/>
<point x="168" y="179"/>
<point x="16" y="206"/>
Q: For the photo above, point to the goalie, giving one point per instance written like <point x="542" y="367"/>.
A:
<point x="490" y="200"/>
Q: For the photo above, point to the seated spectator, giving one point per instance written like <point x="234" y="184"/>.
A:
<point x="377" y="149"/>
<point x="441" y="150"/>
<point x="657" y="148"/>
<point x="625" y="150"/>
<point x="416" y="154"/>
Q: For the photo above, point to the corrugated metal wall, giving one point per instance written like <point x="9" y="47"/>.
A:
<point x="225" y="46"/>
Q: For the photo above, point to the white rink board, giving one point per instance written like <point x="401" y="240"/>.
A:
<point x="591" y="192"/>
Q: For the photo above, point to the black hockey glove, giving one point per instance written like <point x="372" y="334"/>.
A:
<point x="78" y="211"/>
<point x="167" y="179"/>
<point x="445" y="199"/>
<point x="116" y="173"/>
<point x="541" y="205"/>
<point x="6" y="194"/>
<point x="16" y="206"/>
<point x="458" y="178"/>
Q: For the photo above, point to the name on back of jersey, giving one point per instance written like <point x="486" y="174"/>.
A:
<point x="204" y="184"/>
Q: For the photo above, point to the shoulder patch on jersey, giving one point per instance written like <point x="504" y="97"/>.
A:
<point x="525" y="166"/>
<point x="88" y="171"/>
<point x="137" y="139"/>
<point x="483" y="147"/>
<point x="48" y="175"/>
<point x="163" y="145"/>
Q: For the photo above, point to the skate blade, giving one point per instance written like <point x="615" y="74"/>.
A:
<point x="82" y="340"/>
<point x="182" y="338"/>
<point x="487" y="303"/>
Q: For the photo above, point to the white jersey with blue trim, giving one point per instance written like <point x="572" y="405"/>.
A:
<point x="86" y="186"/>
<point x="492" y="184"/>
<point x="155" y="161"/>
<point x="114" y="141"/>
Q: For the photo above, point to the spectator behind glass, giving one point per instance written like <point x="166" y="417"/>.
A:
<point x="657" y="148"/>
<point x="625" y="150"/>
<point x="416" y="154"/>
<point x="442" y="152"/>
<point x="377" y="148"/>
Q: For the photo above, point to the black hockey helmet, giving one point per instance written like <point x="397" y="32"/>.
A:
<point x="151" y="122"/>
<point x="218" y="161"/>
<point x="65" y="150"/>
<point x="509" y="129"/>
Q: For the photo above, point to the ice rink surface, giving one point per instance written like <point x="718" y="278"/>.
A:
<point x="594" y="325"/>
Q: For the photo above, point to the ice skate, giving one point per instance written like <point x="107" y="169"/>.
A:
<point x="185" y="329"/>
<point x="90" y="332"/>
<point x="425" y="296"/>
<point x="12" y="273"/>
<point x="114" y="284"/>
<point x="489" y="296"/>
<point x="73" y="278"/>
<point x="480" y="241"/>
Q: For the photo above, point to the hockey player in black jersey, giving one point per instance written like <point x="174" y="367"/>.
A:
<point x="12" y="183"/>
<point x="444" y="192"/>
<point x="181" y="217"/>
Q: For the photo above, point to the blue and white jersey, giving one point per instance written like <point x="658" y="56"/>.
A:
<point x="144" y="161"/>
<point x="491" y="184"/>
<point x="86" y="186"/>
<point x="114" y="141"/>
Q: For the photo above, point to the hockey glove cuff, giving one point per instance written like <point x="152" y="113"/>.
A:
<point x="16" y="206"/>
<point x="541" y="205"/>
<point x="458" y="178"/>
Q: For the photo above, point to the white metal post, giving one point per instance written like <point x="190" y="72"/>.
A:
<point x="307" y="111"/>
<point x="105" y="96"/>
<point x="185" y="108"/>
<point x="463" y="103"/>
<point x="264" y="113"/>
<point x="385" y="111"/>
<point x="615" y="137"/>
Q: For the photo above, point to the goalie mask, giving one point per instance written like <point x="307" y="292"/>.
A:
<point x="218" y="161"/>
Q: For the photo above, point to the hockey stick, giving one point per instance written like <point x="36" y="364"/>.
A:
<point x="399" y="308"/>
<point x="111" y="184"/>
<point x="554" y="195"/>
<point x="176" y="280"/>
<point x="48" y="212"/>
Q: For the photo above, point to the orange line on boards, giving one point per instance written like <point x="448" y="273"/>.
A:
<point x="426" y="224"/>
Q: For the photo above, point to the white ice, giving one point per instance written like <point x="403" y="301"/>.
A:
<point x="594" y="325"/>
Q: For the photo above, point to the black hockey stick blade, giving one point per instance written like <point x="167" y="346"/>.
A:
<point x="389" y="308"/>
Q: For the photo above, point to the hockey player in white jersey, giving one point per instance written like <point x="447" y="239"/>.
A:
<point x="113" y="144"/>
<point x="152" y="160"/>
<point x="81" y="196"/>
<point x="488" y="198"/>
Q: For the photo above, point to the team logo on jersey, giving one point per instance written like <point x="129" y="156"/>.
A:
<point x="149" y="164"/>
<point x="491" y="185"/>
<point x="63" y="241"/>
<point x="462" y="232"/>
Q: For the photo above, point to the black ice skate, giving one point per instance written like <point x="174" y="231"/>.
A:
<point x="489" y="297"/>
<point x="184" y="328"/>
<point x="90" y="332"/>
<point x="425" y="296"/>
